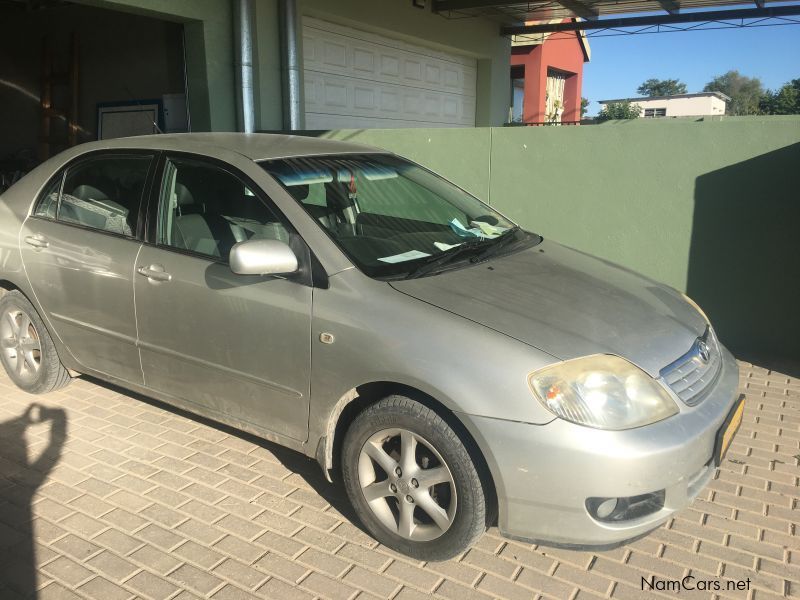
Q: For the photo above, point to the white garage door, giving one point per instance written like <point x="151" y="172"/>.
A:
<point x="357" y="79"/>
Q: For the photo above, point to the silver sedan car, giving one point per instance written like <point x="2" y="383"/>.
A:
<point x="454" y="369"/>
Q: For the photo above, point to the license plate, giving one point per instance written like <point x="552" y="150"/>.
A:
<point x="728" y="430"/>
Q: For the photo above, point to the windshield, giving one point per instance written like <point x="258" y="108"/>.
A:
<point x="387" y="214"/>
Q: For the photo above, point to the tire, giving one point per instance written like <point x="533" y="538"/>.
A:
<point x="26" y="348"/>
<point x="434" y="510"/>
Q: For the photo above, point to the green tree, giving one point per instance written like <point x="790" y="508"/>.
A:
<point x="584" y="106"/>
<point x="745" y="92"/>
<point x="783" y="101"/>
<point x="661" y="87"/>
<point x="619" y="111"/>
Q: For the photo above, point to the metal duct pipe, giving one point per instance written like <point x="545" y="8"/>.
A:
<point x="293" y="115"/>
<point x="243" y="36"/>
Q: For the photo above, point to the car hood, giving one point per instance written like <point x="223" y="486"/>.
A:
<point x="568" y="304"/>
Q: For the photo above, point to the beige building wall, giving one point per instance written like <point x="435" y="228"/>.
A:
<point x="694" y="106"/>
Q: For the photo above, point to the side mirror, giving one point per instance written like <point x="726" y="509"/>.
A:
<point x="263" y="257"/>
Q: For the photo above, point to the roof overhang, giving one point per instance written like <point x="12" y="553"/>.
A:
<point x="548" y="16"/>
<point x="720" y="95"/>
<point x="537" y="39"/>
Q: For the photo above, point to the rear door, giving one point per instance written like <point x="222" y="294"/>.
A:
<point x="79" y="249"/>
<point x="237" y="347"/>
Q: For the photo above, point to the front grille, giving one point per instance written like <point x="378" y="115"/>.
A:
<point x="692" y="375"/>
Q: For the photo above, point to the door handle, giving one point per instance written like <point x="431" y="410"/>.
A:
<point x="37" y="241"/>
<point x="155" y="273"/>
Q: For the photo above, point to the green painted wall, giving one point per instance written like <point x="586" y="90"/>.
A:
<point x="709" y="207"/>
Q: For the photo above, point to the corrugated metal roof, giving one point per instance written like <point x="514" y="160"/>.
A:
<point x="515" y="13"/>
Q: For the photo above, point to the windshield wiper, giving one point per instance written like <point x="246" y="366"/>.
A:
<point x="447" y="256"/>
<point x="491" y="245"/>
<point x="496" y="244"/>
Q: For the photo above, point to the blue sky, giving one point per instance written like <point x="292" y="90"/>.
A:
<point x="621" y="63"/>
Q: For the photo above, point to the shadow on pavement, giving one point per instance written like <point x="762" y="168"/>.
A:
<point x="20" y="477"/>
<point x="298" y="463"/>
<point x="777" y="364"/>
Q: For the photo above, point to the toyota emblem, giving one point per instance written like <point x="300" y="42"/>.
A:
<point x="703" y="351"/>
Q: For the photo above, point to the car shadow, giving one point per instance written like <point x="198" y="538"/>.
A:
<point x="743" y="267"/>
<point x="20" y="477"/>
<point x="296" y="462"/>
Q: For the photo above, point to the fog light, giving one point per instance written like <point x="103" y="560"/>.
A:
<point x="614" y="510"/>
<point x="606" y="507"/>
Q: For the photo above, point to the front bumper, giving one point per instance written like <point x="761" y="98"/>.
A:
<point x="544" y="473"/>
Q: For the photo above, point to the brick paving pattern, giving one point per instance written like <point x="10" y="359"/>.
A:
<point x="132" y="499"/>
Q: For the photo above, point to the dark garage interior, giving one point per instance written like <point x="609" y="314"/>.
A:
<point x="60" y="62"/>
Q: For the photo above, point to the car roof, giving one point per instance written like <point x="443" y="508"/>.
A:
<point x="256" y="146"/>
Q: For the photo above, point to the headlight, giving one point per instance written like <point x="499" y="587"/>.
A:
<point x="696" y="307"/>
<point x="602" y="391"/>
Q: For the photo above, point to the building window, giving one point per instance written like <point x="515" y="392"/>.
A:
<point x="651" y="113"/>
<point x="516" y="112"/>
<point x="517" y="100"/>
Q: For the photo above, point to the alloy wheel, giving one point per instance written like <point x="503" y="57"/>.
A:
<point x="407" y="484"/>
<point x="20" y="344"/>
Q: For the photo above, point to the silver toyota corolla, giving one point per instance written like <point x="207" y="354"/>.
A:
<point x="456" y="369"/>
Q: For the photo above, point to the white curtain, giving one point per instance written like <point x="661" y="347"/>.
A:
<point x="554" y="99"/>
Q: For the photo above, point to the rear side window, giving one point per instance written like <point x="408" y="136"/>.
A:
<point x="48" y="204"/>
<point x="104" y="193"/>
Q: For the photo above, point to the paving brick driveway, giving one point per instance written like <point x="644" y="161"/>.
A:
<point x="123" y="498"/>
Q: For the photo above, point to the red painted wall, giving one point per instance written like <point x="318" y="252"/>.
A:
<point x="558" y="52"/>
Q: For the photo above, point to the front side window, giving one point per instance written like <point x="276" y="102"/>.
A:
<point x="105" y="193"/>
<point x="389" y="215"/>
<point x="206" y="210"/>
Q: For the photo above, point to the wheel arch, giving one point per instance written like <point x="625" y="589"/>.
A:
<point x="51" y="373"/>
<point x="67" y="359"/>
<point x="6" y="286"/>
<point x="357" y="399"/>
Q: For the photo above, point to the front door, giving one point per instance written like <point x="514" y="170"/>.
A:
<point x="233" y="347"/>
<point x="79" y="250"/>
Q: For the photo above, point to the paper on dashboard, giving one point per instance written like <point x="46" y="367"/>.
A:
<point x="461" y="231"/>
<point x="487" y="229"/>
<point x="442" y="246"/>
<point x="410" y="255"/>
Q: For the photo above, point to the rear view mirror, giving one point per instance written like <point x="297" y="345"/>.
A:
<point x="263" y="257"/>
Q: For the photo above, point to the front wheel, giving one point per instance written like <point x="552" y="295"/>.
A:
<point x="412" y="481"/>
<point x="26" y="349"/>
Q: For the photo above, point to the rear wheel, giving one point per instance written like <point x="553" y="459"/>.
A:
<point x="412" y="481"/>
<point x="26" y="349"/>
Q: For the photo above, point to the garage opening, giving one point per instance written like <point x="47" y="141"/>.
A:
<point x="357" y="79"/>
<point x="71" y="73"/>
